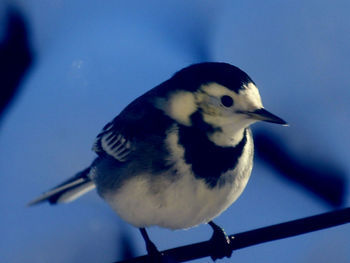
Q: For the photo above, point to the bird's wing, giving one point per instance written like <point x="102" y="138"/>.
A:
<point x="112" y="142"/>
<point x="138" y="122"/>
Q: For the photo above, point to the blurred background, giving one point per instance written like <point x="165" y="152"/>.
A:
<point x="68" y="67"/>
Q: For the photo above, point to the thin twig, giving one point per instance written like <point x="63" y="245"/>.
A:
<point x="257" y="236"/>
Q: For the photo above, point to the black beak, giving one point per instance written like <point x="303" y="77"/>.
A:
<point x="264" y="115"/>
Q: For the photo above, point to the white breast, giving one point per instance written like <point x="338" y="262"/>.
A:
<point x="177" y="199"/>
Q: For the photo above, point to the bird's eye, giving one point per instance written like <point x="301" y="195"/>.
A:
<point x="227" y="101"/>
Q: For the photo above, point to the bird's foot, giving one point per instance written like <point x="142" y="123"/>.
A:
<point x="154" y="256"/>
<point x="220" y="243"/>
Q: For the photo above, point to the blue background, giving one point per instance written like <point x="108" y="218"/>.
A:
<point x="93" y="57"/>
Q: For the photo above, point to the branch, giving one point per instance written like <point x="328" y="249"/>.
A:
<point x="257" y="236"/>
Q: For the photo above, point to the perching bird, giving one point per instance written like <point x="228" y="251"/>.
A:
<point x="177" y="156"/>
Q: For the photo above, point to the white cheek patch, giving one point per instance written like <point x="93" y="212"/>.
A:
<point x="251" y="91"/>
<point x="209" y="97"/>
<point x="180" y="106"/>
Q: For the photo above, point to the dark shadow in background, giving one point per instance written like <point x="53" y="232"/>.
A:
<point x="324" y="179"/>
<point x="15" y="58"/>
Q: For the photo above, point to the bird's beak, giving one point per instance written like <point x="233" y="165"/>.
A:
<point x="264" y="115"/>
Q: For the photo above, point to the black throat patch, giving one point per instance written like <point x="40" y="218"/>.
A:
<point x="209" y="161"/>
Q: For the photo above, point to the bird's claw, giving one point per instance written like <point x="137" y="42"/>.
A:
<point x="220" y="243"/>
<point x="154" y="256"/>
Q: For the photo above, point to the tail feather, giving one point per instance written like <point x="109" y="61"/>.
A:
<point x="67" y="191"/>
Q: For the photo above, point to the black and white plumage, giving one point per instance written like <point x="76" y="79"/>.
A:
<point x="180" y="154"/>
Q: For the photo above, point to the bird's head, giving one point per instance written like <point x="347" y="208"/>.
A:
<point x="222" y="95"/>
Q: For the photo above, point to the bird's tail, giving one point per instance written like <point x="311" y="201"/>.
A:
<point x="68" y="190"/>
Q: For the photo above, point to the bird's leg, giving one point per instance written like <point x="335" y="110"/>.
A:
<point x="153" y="254"/>
<point x="220" y="243"/>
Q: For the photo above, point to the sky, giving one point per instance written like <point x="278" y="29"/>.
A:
<point x="92" y="58"/>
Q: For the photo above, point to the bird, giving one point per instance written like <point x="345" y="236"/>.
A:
<point x="178" y="155"/>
